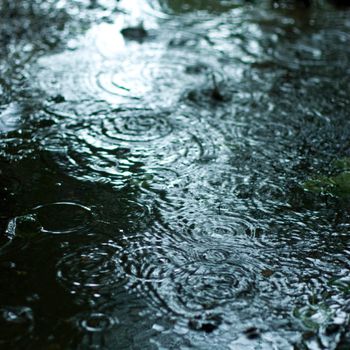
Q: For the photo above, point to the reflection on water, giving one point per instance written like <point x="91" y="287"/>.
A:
<point x="172" y="175"/>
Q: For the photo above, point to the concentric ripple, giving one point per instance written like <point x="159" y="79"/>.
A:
<point x="221" y="228"/>
<point x="152" y="75"/>
<point x="127" y="144"/>
<point x="264" y="134"/>
<point x="71" y="110"/>
<point x="201" y="286"/>
<point x="58" y="218"/>
<point x="136" y="126"/>
<point x="63" y="217"/>
<point x="56" y="79"/>
<point x="188" y="148"/>
<point x="186" y="278"/>
<point x="215" y="255"/>
<point x="166" y="8"/>
<point x="110" y="146"/>
<point x="313" y="52"/>
<point x="145" y="264"/>
<point x="189" y="279"/>
<point x="86" y="162"/>
<point x="90" y="272"/>
<point x="123" y="127"/>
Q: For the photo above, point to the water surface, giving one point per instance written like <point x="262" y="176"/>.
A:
<point x="154" y="157"/>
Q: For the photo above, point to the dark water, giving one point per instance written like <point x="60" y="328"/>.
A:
<point x="153" y="161"/>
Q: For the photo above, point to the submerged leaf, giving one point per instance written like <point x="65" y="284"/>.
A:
<point x="336" y="185"/>
<point x="342" y="164"/>
<point x="322" y="184"/>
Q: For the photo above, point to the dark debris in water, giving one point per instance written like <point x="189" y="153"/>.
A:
<point x="333" y="329"/>
<point x="197" y="68"/>
<point x="138" y="33"/>
<point x="206" y="323"/>
<point x="252" y="333"/>
<point x="337" y="184"/>
<point x="58" y="99"/>
<point x="267" y="273"/>
<point x="212" y="93"/>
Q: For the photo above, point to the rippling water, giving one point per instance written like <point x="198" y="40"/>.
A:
<point x="154" y="162"/>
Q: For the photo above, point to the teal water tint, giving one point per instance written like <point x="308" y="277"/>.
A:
<point x="174" y="174"/>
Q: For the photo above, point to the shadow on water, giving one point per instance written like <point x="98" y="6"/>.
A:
<point x="174" y="174"/>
